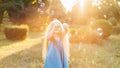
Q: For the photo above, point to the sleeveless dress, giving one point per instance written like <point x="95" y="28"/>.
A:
<point x="56" y="57"/>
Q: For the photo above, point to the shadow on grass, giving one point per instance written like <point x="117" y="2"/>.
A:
<point x="4" y="41"/>
<point x="29" y="58"/>
<point x="32" y="35"/>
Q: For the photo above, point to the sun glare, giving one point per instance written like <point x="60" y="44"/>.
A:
<point x="68" y="4"/>
<point x="82" y="3"/>
<point x="96" y="2"/>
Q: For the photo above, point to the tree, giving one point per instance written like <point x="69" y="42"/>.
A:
<point x="99" y="9"/>
<point x="80" y="14"/>
<point x="56" y="9"/>
<point x="15" y="9"/>
<point x="107" y="9"/>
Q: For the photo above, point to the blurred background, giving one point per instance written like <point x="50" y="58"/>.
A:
<point x="94" y="32"/>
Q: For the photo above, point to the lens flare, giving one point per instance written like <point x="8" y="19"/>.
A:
<point x="82" y="3"/>
<point x="68" y="4"/>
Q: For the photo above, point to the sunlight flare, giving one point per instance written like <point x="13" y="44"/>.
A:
<point x="82" y="3"/>
<point x="96" y="2"/>
<point x="68" y="4"/>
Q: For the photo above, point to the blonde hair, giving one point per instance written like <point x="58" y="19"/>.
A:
<point x="66" y="40"/>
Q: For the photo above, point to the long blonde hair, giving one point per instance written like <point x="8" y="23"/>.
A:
<point x="66" y="40"/>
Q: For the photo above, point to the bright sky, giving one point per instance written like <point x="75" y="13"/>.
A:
<point x="82" y="4"/>
<point x="68" y="4"/>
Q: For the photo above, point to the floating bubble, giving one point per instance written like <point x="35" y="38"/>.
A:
<point x="100" y="31"/>
<point x="42" y="5"/>
<point x="105" y="16"/>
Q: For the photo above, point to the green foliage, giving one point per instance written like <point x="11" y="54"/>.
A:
<point x="16" y="32"/>
<point x="16" y="4"/>
<point x="17" y="10"/>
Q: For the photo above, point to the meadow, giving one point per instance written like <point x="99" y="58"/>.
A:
<point x="27" y="53"/>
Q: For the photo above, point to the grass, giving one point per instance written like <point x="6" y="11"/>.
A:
<point x="106" y="55"/>
<point x="21" y="54"/>
<point x="27" y="53"/>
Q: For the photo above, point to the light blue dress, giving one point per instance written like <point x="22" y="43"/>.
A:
<point x="56" y="57"/>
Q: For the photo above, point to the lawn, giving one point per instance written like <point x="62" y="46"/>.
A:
<point x="21" y="54"/>
<point x="27" y="53"/>
<point x="105" y="55"/>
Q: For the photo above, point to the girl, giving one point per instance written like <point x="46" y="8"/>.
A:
<point x="54" y="52"/>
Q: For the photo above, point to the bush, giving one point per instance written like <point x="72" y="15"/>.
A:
<point x="104" y="25"/>
<point x="84" y="34"/>
<point x="90" y="36"/>
<point x="16" y="32"/>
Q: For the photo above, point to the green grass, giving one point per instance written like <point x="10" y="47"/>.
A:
<point x="27" y="53"/>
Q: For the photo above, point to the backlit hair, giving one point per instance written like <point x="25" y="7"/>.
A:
<point x="66" y="40"/>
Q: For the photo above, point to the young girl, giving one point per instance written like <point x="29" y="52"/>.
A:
<point x="54" y="53"/>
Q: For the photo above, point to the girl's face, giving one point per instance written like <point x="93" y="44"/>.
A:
<point x="57" y="29"/>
